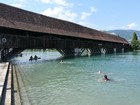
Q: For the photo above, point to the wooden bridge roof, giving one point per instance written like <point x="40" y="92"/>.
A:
<point x="15" y="18"/>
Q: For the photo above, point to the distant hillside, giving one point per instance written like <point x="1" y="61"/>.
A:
<point x="127" y="34"/>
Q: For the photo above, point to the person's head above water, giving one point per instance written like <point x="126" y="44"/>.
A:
<point x="105" y="77"/>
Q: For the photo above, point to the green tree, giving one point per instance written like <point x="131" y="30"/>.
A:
<point x="135" y="42"/>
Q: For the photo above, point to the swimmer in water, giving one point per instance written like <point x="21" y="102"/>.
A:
<point x="106" y="78"/>
<point x="61" y="61"/>
<point x="99" y="72"/>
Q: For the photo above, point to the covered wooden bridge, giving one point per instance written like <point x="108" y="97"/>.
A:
<point x="21" y="29"/>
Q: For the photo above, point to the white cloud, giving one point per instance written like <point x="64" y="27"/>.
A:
<point x="63" y="10"/>
<point x="80" y="4"/>
<point x="17" y="5"/>
<point x="21" y="0"/>
<point x="132" y="25"/>
<point x="93" y="9"/>
<point x="57" y="2"/>
<point x="53" y="12"/>
<point x="85" y="15"/>
<point x="61" y="13"/>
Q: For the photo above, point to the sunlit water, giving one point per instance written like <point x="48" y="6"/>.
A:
<point x="77" y="82"/>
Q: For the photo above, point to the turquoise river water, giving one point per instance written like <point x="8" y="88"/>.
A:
<point x="76" y="81"/>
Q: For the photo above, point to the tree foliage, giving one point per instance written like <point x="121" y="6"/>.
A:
<point x="135" y="43"/>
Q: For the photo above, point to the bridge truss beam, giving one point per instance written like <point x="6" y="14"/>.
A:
<point x="67" y="46"/>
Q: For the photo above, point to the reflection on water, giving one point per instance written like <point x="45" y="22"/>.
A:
<point x="77" y="82"/>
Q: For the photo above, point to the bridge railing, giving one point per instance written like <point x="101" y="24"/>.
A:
<point x="17" y="41"/>
<point x="28" y="42"/>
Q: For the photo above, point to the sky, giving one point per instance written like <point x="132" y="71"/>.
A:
<point x="97" y="14"/>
